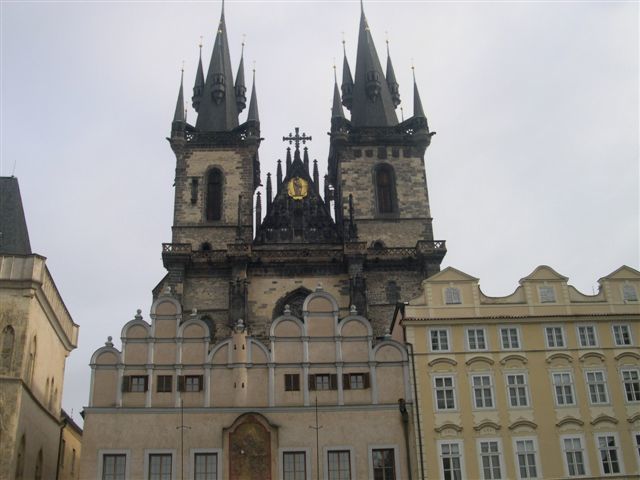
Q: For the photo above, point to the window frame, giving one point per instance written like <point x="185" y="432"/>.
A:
<point x="160" y="384"/>
<point x="447" y="332"/>
<point x="589" y="384"/>
<point x="393" y="195"/>
<point x="482" y="387"/>
<point x="445" y="388"/>
<point x="396" y="458"/>
<point x="500" y="454"/>
<point x="555" y="329"/>
<point x="583" y="450"/>
<point x="192" y="461"/>
<point x="624" y="288"/>
<point x="307" y="459"/>
<point x="571" y="384"/>
<point x="536" y="457"/>
<point x="635" y="381"/>
<point x="291" y="382"/>
<point x="208" y="193"/>
<point x="542" y="297"/>
<point x="111" y="451"/>
<point x="595" y="335"/>
<point x="339" y="448"/>
<point x="456" y="295"/>
<point x="615" y="339"/>
<point x="159" y="451"/>
<point x="635" y="439"/>
<point x="525" y="385"/>
<point x="485" y="339"/>
<point x="518" y="337"/>
<point x="460" y="444"/>
<point x="618" y="449"/>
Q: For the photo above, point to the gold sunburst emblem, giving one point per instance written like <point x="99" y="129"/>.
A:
<point x="298" y="188"/>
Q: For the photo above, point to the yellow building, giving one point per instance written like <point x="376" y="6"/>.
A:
<point x="542" y="383"/>
<point x="36" y="336"/>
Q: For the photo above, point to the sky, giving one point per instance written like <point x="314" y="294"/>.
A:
<point x="535" y="105"/>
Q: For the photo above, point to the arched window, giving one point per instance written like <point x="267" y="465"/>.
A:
<point x="32" y="360"/>
<point x="39" y="461"/>
<point x="214" y="195"/>
<point x="385" y="189"/>
<point x="6" y="354"/>
<point x="20" y="459"/>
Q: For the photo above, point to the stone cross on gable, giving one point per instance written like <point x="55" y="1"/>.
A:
<point x="297" y="138"/>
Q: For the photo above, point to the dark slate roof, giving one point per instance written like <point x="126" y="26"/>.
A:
<point x="178" y="115"/>
<point x="14" y="236"/>
<point x="219" y="116"/>
<point x="336" y="109"/>
<point x="253" y="115"/>
<point x="365" y="112"/>
<point x="418" y="111"/>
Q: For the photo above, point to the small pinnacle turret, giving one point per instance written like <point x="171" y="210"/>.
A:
<point x="218" y="111"/>
<point x="391" y="80"/>
<point x="347" y="80"/>
<point x="418" y="111"/>
<point x="253" y="115"/>
<point x="240" y="88"/>
<point x="198" y="86"/>
<point x="179" y="114"/>
<point x="336" y="109"/>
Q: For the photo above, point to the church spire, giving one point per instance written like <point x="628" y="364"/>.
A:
<point x="347" y="80"/>
<point x="372" y="102"/>
<point x="391" y="80"/>
<point x="178" y="116"/>
<point x="418" y="111"/>
<point x="253" y="115"/>
<point x="198" y="86"/>
<point x="336" y="109"/>
<point x="240" y="88"/>
<point x="218" y="111"/>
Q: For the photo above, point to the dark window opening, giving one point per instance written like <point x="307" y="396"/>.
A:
<point x="205" y="247"/>
<point x="291" y="382"/>
<point x="384" y="189"/>
<point x="214" y="195"/>
<point x="164" y="383"/>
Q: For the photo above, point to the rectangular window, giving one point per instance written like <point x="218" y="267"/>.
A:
<point x="355" y="381"/>
<point x="135" y="383"/>
<point x="563" y="387"/>
<point x="629" y="293"/>
<point x="160" y="466"/>
<point x="339" y="465"/>
<point x="294" y="466"/>
<point x="597" y="385"/>
<point x="190" y="383"/>
<point x="452" y="296"/>
<point x="476" y="339"/>
<point x="631" y="382"/>
<point x="451" y="457"/>
<point x="490" y="460"/>
<point x="622" y="335"/>
<point x="323" y="382"/>
<point x="384" y="464"/>
<point x="636" y="444"/>
<point x="445" y="393"/>
<point x="205" y="466"/>
<point x="517" y="390"/>
<point x="587" y="336"/>
<point x="574" y="456"/>
<point x="609" y="458"/>
<point x="510" y="338"/>
<point x="439" y="340"/>
<point x="291" y="382"/>
<point x="526" y="459"/>
<point x="555" y="337"/>
<point x="114" y="466"/>
<point x="165" y="383"/>
<point x="482" y="391"/>
<point x="73" y="460"/>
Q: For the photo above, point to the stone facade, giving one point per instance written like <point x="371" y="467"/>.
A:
<point x="547" y="372"/>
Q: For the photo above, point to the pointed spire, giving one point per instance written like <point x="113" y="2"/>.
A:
<point x="372" y="103"/>
<point x="198" y="86"/>
<point x="279" y="175"/>
<point x="336" y="109"/>
<point x="418" y="112"/>
<point x="178" y="115"/>
<point x="306" y="159"/>
<point x="258" y="209"/>
<point x="288" y="160"/>
<point x="240" y="88"/>
<point x="391" y="80"/>
<point x="253" y="115"/>
<point x="218" y="111"/>
<point x="316" y="176"/>
<point x="269" y="191"/>
<point x="347" y="81"/>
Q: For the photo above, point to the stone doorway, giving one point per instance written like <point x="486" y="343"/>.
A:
<point x="251" y="446"/>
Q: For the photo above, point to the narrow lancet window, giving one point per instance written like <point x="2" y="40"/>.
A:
<point x="214" y="195"/>
<point x="384" y="189"/>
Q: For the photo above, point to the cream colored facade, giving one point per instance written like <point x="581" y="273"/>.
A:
<point x="247" y="407"/>
<point x="70" y="449"/>
<point x="543" y="383"/>
<point x="36" y="335"/>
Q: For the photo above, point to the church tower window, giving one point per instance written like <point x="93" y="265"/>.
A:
<point x="385" y="189"/>
<point x="6" y="355"/>
<point x="214" y="195"/>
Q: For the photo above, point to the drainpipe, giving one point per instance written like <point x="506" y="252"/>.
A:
<point x="405" y="427"/>
<point x="417" y="407"/>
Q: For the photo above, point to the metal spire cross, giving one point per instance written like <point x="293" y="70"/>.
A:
<point x="297" y="138"/>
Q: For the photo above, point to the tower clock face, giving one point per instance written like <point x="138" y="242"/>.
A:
<point x="298" y="188"/>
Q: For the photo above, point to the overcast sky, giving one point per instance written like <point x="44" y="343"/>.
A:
<point x="535" y="105"/>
